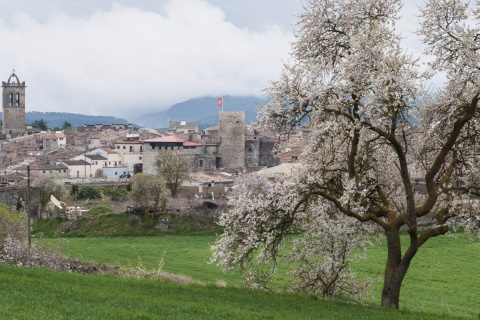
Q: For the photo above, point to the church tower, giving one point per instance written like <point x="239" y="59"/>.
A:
<point x="13" y="106"/>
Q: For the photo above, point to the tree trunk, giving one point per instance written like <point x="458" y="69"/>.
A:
<point x="395" y="270"/>
<point x="391" y="288"/>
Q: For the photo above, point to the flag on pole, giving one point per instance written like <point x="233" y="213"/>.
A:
<point x="220" y="102"/>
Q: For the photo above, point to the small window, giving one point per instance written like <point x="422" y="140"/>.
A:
<point x="200" y="163"/>
<point x="118" y="147"/>
<point x="115" y="173"/>
<point x="44" y="171"/>
<point x="139" y="158"/>
<point x="124" y="147"/>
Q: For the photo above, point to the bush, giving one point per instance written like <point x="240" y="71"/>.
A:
<point x="90" y="193"/>
<point x="115" y="194"/>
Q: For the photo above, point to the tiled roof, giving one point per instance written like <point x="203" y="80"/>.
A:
<point x="95" y="157"/>
<point x="43" y="166"/>
<point x="76" y="162"/>
<point x="172" y="138"/>
<point x="191" y="144"/>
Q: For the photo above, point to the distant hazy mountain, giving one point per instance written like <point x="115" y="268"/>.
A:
<point x="204" y="110"/>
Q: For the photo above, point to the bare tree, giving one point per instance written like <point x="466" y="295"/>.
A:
<point x="149" y="193"/>
<point x="173" y="167"/>
<point x="373" y="129"/>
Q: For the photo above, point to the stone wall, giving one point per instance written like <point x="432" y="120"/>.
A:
<point x="9" y="196"/>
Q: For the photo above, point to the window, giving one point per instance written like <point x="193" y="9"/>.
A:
<point x="141" y="148"/>
<point x="44" y="171"/>
<point x="200" y="163"/>
<point x="250" y="149"/>
<point x="115" y="173"/>
<point x="139" y="158"/>
<point x="131" y="149"/>
<point x="11" y="99"/>
<point x="119" y="162"/>
<point x="17" y="99"/>
<point x="124" y="147"/>
<point x="118" y="147"/>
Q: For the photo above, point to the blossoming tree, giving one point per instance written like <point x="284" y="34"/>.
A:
<point x="374" y="128"/>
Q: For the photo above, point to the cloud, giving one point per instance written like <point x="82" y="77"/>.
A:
<point x="125" y="60"/>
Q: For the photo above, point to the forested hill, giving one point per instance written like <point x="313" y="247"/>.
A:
<point x="57" y="119"/>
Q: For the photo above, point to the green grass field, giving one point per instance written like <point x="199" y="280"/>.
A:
<point x="46" y="294"/>
<point x="443" y="279"/>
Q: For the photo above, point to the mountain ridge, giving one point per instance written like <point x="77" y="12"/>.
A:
<point x="204" y="110"/>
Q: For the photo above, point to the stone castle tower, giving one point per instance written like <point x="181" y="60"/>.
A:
<point x="13" y="106"/>
<point x="232" y="145"/>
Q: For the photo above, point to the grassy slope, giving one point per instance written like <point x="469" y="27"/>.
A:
<point x="443" y="278"/>
<point x="46" y="294"/>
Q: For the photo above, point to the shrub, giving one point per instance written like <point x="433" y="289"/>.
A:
<point x="115" y="194"/>
<point x="90" y="193"/>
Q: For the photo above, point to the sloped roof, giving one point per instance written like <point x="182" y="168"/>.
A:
<point x="174" y="139"/>
<point x="185" y="125"/>
<point x="76" y="162"/>
<point x="95" y="157"/>
<point x="43" y="166"/>
<point x="191" y="144"/>
<point x="171" y="138"/>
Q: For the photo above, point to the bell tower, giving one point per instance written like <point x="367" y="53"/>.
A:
<point x="13" y="106"/>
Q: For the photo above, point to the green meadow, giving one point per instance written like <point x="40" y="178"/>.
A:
<point x="45" y="294"/>
<point x="443" y="280"/>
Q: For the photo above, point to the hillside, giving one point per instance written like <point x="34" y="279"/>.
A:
<point x="56" y="119"/>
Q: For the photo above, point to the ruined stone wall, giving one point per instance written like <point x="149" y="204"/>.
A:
<point x="232" y="135"/>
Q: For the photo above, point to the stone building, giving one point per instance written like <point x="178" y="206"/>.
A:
<point x="231" y="147"/>
<point x="13" y="106"/>
<point x="232" y="140"/>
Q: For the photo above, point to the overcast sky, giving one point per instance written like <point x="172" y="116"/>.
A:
<point x="130" y="57"/>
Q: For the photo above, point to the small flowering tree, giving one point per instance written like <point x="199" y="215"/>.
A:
<point x="374" y="128"/>
<point x="264" y="213"/>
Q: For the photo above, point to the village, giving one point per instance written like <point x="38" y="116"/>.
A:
<point x="115" y="153"/>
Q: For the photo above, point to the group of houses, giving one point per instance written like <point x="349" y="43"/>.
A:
<point x="110" y="152"/>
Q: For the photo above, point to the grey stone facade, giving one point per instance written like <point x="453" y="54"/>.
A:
<point x="232" y="142"/>
<point x="13" y="107"/>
